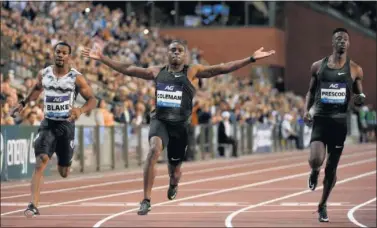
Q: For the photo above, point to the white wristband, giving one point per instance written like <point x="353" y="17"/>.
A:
<point x="362" y="95"/>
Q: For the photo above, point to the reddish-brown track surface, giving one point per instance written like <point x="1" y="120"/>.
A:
<point x="269" y="187"/>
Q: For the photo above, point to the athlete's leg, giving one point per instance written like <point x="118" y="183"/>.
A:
<point x="174" y="173"/>
<point x="37" y="178"/>
<point x="65" y="146"/>
<point x="338" y="131"/>
<point x="158" y="140"/>
<point x="317" y="151"/>
<point x="177" y="148"/>
<point x="64" y="152"/>
<point x="317" y="155"/>
<point x="334" y="154"/>
<point x="149" y="168"/>
<point x="44" y="145"/>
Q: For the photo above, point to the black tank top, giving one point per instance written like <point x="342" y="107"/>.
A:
<point x="333" y="91"/>
<point x="173" y="97"/>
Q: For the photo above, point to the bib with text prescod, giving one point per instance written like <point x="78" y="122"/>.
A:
<point x="57" y="106"/>
<point x="169" y="95"/>
<point x="333" y="93"/>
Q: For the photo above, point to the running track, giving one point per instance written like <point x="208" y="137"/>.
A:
<point x="258" y="190"/>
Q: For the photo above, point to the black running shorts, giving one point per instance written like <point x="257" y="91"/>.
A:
<point x="56" y="136"/>
<point x="330" y="131"/>
<point x="174" y="138"/>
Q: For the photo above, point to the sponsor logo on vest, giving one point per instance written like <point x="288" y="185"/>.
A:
<point x="335" y="86"/>
<point x="170" y="88"/>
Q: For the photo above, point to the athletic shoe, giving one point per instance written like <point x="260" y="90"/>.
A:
<point x="322" y="213"/>
<point x="313" y="180"/>
<point x="31" y="211"/>
<point x="145" y="207"/>
<point x="172" y="191"/>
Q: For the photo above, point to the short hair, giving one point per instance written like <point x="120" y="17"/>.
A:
<point x="63" y="44"/>
<point x="31" y="113"/>
<point x="340" y="30"/>
<point x="181" y="42"/>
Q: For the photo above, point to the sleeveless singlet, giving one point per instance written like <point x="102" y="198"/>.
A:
<point x="174" y="95"/>
<point x="333" y="91"/>
<point x="59" y="93"/>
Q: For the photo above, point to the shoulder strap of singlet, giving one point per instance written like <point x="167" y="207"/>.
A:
<point x="162" y="68"/>
<point x="322" y="67"/>
<point x="185" y="68"/>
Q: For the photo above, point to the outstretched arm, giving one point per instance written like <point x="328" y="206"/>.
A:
<point x="124" y="68"/>
<point x="211" y="71"/>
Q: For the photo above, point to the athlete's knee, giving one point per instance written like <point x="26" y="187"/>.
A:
<point x="315" y="161"/>
<point x="41" y="162"/>
<point x="317" y="154"/>
<point x="63" y="171"/>
<point x="175" y="171"/>
<point x="175" y="163"/>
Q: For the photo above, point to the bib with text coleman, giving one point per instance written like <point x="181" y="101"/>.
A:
<point x="169" y="95"/>
<point x="333" y="93"/>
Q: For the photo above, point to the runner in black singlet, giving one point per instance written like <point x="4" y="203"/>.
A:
<point x="176" y="84"/>
<point x="333" y="80"/>
<point x="60" y="84"/>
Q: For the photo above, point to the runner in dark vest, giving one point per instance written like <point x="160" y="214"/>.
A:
<point x="333" y="80"/>
<point x="176" y="85"/>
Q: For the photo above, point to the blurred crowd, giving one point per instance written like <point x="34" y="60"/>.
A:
<point x="362" y="12"/>
<point x="34" y="28"/>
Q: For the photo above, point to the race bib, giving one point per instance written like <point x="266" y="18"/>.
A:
<point x="57" y="106"/>
<point x="169" y="95"/>
<point x="333" y="93"/>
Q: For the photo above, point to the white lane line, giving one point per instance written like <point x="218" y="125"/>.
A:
<point x="165" y="186"/>
<point x="352" y="211"/>
<point x="10" y="185"/>
<point x="157" y="177"/>
<point x="228" y="220"/>
<point x="183" y="184"/>
<point x="184" y="213"/>
<point x="187" y="164"/>
<point x="99" y="223"/>
<point x="248" y="164"/>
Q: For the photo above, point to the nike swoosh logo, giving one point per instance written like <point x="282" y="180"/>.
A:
<point x="177" y="76"/>
<point x="175" y="159"/>
<point x="341" y="73"/>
